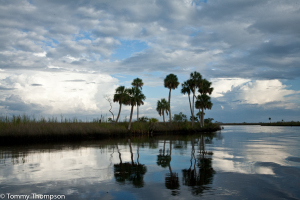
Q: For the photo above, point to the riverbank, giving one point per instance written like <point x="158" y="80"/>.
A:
<point x="292" y="123"/>
<point x="282" y="124"/>
<point x="37" y="132"/>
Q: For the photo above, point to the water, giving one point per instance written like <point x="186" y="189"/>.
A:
<point x="241" y="162"/>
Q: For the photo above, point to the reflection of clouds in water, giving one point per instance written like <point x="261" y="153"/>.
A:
<point x="62" y="165"/>
<point x="250" y="145"/>
<point x="223" y="161"/>
<point x="256" y="129"/>
<point x="251" y="152"/>
<point x="266" y="153"/>
<point x="264" y="170"/>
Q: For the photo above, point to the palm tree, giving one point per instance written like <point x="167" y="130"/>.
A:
<point x="121" y="96"/>
<point x="171" y="82"/>
<point x="187" y="90"/>
<point x="138" y="83"/>
<point x="203" y="102"/>
<point x="136" y="97"/>
<point x="162" y="107"/>
<point x="205" y="88"/>
<point x="194" y="82"/>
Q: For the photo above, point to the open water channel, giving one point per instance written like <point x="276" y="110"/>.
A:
<point x="239" y="162"/>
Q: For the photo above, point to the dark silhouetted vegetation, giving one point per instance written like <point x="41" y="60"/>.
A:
<point x="23" y="128"/>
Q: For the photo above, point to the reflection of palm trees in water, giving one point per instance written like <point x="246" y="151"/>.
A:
<point x="132" y="172"/>
<point x="171" y="179"/>
<point x="198" y="178"/>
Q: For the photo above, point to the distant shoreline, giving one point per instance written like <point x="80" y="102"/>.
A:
<point x="265" y="124"/>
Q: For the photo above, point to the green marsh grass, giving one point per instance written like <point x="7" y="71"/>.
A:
<point x="24" y="128"/>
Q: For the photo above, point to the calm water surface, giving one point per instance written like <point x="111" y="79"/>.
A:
<point x="241" y="162"/>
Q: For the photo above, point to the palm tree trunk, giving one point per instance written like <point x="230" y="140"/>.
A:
<point x="193" y="107"/>
<point x="202" y="119"/>
<point x="164" y="116"/>
<point x="190" y="105"/>
<point x="170" y="106"/>
<point x="119" y="113"/>
<point x="129" y="126"/>
<point x="164" y="148"/>
<point x="137" y="111"/>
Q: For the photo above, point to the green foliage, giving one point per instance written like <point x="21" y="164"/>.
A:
<point x="137" y="83"/>
<point x="179" y="117"/>
<point x="205" y="87"/>
<point x="121" y="97"/>
<point x="162" y="107"/>
<point x="143" y="119"/>
<point x="136" y="97"/>
<point x="171" y="81"/>
<point x="203" y="102"/>
<point x="153" y="120"/>
<point x="110" y="119"/>
<point x="195" y="118"/>
<point x="208" y="120"/>
<point x="139" y="127"/>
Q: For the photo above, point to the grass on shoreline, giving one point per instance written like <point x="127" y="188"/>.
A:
<point x="292" y="123"/>
<point x="20" y="129"/>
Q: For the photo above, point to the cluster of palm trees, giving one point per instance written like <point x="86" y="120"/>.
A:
<point x="130" y="96"/>
<point x="195" y="84"/>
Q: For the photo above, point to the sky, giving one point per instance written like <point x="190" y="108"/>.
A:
<point x="62" y="58"/>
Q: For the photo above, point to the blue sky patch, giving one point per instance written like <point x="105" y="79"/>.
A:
<point x="82" y="35"/>
<point x="128" y="48"/>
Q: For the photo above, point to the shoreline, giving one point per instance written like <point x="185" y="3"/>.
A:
<point x="264" y="124"/>
<point x="25" y="133"/>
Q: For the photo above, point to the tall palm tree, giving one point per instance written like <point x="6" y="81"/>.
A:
<point x="136" y="97"/>
<point x="194" y="83"/>
<point x="187" y="90"/>
<point x="162" y="107"/>
<point x="203" y="102"/>
<point x="121" y="96"/>
<point x="205" y="88"/>
<point x="171" y="82"/>
<point x="138" y="83"/>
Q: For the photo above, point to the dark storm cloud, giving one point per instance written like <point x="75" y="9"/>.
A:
<point x="15" y="103"/>
<point x="5" y="88"/>
<point x="76" y="28"/>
